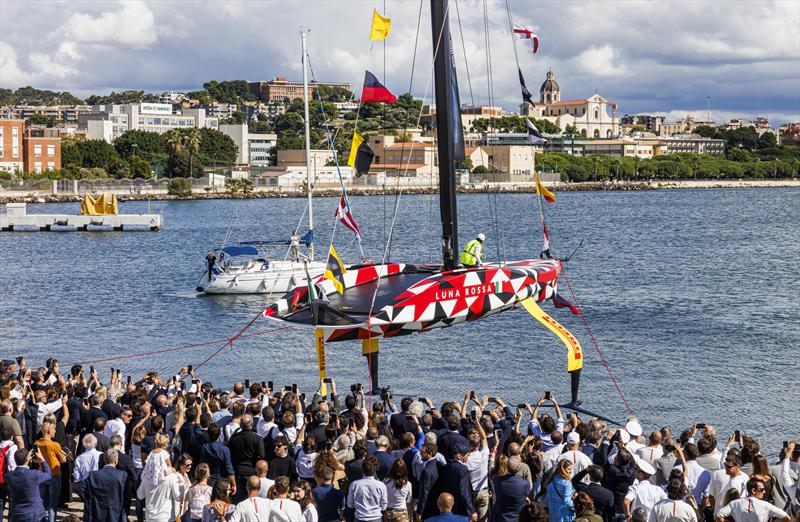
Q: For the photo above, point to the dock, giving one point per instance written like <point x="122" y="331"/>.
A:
<point x="17" y="218"/>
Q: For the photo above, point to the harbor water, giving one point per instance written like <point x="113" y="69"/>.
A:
<point x="692" y="295"/>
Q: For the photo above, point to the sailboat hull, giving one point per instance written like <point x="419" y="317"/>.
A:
<point x="261" y="277"/>
<point x="395" y="299"/>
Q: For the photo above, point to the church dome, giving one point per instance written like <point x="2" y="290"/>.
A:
<point x="550" y="84"/>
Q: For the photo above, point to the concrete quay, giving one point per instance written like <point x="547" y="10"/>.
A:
<point x="17" y="218"/>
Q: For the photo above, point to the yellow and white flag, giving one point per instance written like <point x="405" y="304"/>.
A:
<point x="380" y="26"/>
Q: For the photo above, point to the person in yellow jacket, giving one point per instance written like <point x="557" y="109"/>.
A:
<point x="472" y="254"/>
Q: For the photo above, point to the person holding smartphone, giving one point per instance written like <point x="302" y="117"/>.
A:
<point x="545" y="426"/>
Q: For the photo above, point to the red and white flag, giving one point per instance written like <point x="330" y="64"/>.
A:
<point x="524" y="33"/>
<point x="344" y="215"/>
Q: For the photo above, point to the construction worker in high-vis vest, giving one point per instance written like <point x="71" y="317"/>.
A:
<point x="473" y="252"/>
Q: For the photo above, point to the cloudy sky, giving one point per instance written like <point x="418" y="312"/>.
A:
<point x="648" y="56"/>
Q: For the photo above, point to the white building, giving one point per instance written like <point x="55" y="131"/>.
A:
<point x="172" y="97"/>
<point x="253" y="148"/>
<point x="260" y="146"/>
<point x="590" y="116"/>
<point x="152" y="117"/>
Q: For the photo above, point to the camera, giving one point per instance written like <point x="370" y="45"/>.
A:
<point x="386" y="393"/>
<point x="548" y="395"/>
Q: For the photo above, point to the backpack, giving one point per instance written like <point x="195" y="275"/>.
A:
<point x="3" y="455"/>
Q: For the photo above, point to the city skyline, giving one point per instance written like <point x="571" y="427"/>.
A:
<point x="663" y="58"/>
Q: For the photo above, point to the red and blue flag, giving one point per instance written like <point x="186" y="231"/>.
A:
<point x="374" y="91"/>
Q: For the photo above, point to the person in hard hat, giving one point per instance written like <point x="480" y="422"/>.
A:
<point x="472" y="254"/>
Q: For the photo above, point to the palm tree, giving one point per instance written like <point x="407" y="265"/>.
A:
<point x="191" y="142"/>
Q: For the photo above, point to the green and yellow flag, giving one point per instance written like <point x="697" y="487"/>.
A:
<point x="334" y="270"/>
<point x="380" y="26"/>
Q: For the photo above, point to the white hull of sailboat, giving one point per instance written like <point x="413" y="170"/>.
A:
<point x="278" y="278"/>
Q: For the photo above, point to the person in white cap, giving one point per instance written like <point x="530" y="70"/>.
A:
<point x="634" y="429"/>
<point x="574" y="455"/>
<point x="642" y="494"/>
<point x="472" y="254"/>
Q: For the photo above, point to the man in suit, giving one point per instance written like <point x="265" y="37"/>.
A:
<point x="510" y="493"/>
<point x="445" y="504"/>
<point x="400" y="422"/>
<point x="246" y="449"/>
<point x="454" y="480"/>
<point x="603" y="498"/>
<point x="429" y="487"/>
<point x="352" y="468"/>
<point x="88" y="418"/>
<point x="451" y="438"/>
<point x="318" y="431"/>
<point x="124" y="463"/>
<point x="105" y="489"/>
<point x="23" y="486"/>
<point x="385" y="459"/>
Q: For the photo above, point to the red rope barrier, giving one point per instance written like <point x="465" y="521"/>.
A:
<point x="597" y="347"/>
<point x="183" y="347"/>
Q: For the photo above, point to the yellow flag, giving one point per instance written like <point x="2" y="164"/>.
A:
<point x="574" y="351"/>
<point x="380" y="26"/>
<point x="542" y="191"/>
<point x="358" y="139"/>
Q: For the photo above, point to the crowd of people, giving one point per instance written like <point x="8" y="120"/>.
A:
<point x="178" y="448"/>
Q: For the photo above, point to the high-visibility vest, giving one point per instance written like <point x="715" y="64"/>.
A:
<point x="469" y="256"/>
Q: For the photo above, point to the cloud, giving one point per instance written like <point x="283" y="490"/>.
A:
<point x="133" y="25"/>
<point x="646" y="56"/>
<point x="600" y="61"/>
<point x="10" y="71"/>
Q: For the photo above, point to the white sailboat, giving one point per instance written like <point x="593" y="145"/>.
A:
<point x="255" y="274"/>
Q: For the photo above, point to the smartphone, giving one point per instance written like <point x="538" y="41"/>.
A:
<point x="308" y="418"/>
<point x="91" y="370"/>
<point x="294" y="388"/>
<point x="269" y="385"/>
<point x="473" y="414"/>
<point x="359" y="387"/>
<point x="786" y="444"/>
<point x="737" y="434"/>
<point x="129" y="379"/>
<point x="327" y="380"/>
<point x="422" y="400"/>
<point x="189" y="368"/>
<point x="247" y="383"/>
<point x="492" y="399"/>
<point x="700" y="426"/>
<point x="522" y="406"/>
<point x="548" y="395"/>
<point x="471" y="394"/>
<point x="112" y="371"/>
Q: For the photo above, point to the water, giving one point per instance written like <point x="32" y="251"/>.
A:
<point x="692" y="295"/>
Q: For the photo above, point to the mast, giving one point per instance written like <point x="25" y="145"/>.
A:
<point x="309" y="175"/>
<point x="448" y="124"/>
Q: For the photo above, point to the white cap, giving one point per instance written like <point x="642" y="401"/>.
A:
<point x="481" y="237"/>
<point x="624" y="436"/>
<point x="644" y="466"/>
<point x="634" y="428"/>
<point x="573" y="437"/>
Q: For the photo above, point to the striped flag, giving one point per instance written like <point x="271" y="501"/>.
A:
<point x="344" y="215"/>
<point x="534" y="136"/>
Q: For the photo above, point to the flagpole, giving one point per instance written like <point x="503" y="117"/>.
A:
<point x="309" y="176"/>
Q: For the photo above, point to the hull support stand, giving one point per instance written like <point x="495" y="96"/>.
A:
<point x="370" y="349"/>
